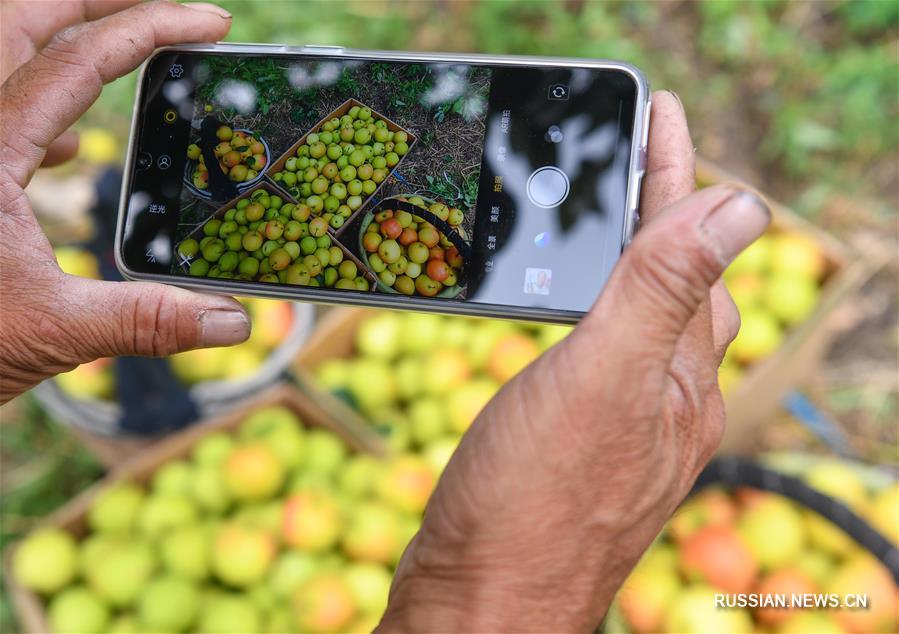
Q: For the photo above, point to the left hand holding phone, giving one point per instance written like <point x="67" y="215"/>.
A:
<point x="54" y="66"/>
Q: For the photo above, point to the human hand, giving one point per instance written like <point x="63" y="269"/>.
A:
<point x="56" y="58"/>
<point x="571" y="470"/>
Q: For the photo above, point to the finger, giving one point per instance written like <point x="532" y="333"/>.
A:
<point x="667" y="272"/>
<point x="62" y="149"/>
<point x="51" y="91"/>
<point x="31" y="25"/>
<point x="671" y="167"/>
<point x="725" y="319"/>
<point x="135" y="318"/>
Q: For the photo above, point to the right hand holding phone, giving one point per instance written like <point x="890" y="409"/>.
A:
<point x="572" y="469"/>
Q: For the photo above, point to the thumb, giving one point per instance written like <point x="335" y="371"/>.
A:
<point x="138" y="318"/>
<point x="667" y="271"/>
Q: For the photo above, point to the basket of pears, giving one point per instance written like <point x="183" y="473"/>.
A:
<point x="339" y="165"/>
<point x="260" y="237"/>
<point x="242" y="156"/>
<point x="416" y="246"/>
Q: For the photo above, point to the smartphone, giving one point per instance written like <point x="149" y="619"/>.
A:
<point x="468" y="184"/>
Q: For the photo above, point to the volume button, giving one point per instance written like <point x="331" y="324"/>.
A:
<point x="322" y="48"/>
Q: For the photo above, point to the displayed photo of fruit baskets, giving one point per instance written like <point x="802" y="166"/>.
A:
<point x="262" y="236"/>
<point x="415" y="246"/>
<point x="338" y="166"/>
<point x="243" y="156"/>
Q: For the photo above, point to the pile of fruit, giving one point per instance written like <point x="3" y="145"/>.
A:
<point x="409" y="254"/>
<point x="776" y="284"/>
<point x="342" y="163"/>
<point x="275" y="528"/>
<point x="241" y="156"/>
<point x="272" y="322"/>
<point x="421" y="379"/>
<point x="264" y="239"/>
<point x="760" y="543"/>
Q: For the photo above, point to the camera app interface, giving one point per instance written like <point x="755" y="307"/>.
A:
<point x="494" y="184"/>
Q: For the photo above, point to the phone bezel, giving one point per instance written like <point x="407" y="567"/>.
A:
<point x="636" y="171"/>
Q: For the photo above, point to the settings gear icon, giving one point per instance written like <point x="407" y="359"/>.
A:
<point x="176" y="71"/>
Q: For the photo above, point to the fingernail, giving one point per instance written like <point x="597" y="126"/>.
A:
<point x="208" y="7"/>
<point x="736" y="223"/>
<point x="219" y="327"/>
<point x="676" y="97"/>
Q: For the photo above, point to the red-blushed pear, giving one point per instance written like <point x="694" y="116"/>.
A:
<point x="711" y="507"/>
<point x="786" y="581"/>
<point x="407" y="483"/>
<point x="774" y="531"/>
<point x="242" y="554"/>
<point x="646" y="597"/>
<point x="748" y="497"/>
<point x="373" y="533"/>
<point x="94" y="379"/>
<point x="437" y="270"/>
<point x="445" y="370"/>
<point x="253" y="472"/>
<point x="311" y="521"/>
<point x="273" y="321"/>
<point x="864" y="575"/>
<point x="453" y="257"/>
<point x="694" y="610"/>
<point x="718" y="555"/>
<point x="511" y="355"/>
<point x="324" y="603"/>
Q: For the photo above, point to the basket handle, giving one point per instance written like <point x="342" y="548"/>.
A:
<point x="444" y="227"/>
<point x="735" y="471"/>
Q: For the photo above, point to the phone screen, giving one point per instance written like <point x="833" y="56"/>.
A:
<point x="492" y="184"/>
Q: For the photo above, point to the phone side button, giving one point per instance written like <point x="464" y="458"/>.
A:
<point x="321" y="48"/>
